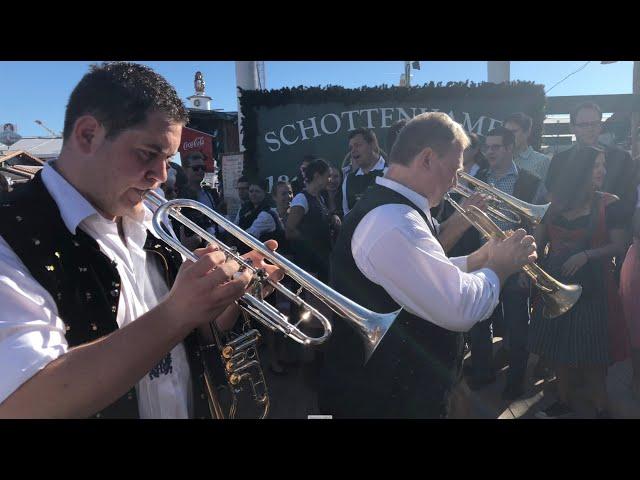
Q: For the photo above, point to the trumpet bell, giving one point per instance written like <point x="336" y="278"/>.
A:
<point x="373" y="331"/>
<point x="561" y="300"/>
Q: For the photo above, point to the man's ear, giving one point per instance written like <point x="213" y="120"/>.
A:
<point x="87" y="133"/>
<point x="426" y="157"/>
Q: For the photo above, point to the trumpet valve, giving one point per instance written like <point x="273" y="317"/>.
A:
<point x="234" y="379"/>
<point x="228" y="367"/>
<point x="227" y="352"/>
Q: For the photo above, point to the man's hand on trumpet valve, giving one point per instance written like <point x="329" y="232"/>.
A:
<point x="203" y="290"/>
<point x="479" y="200"/>
<point x="511" y="254"/>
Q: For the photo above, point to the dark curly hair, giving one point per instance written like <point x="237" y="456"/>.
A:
<point x="121" y="95"/>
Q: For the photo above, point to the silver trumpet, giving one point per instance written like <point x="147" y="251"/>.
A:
<point x="239" y="352"/>
<point x="502" y="205"/>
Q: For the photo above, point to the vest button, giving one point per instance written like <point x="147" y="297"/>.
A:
<point x="18" y="218"/>
<point x="88" y="296"/>
<point x="50" y="268"/>
<point x="76" y="244"/>
<point x="114" y="292"/>
<point x="36" y="241"/>
<point x="67" y="328"/>
<point x="114" y="309"/>
<point x="94" y="327"/>
<point x="82" y="269"/>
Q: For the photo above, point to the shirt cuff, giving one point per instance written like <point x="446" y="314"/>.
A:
<point x="490" y="276"/>
<point x="460" y="262"/>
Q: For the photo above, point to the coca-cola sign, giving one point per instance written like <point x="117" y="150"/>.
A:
<point x="196" y="141"/>
<point x="193" y="144"/>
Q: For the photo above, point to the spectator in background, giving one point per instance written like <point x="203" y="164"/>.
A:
<point x="367" y="164"/>
<point x="243" y="189"/>
<point x="333" y="194"/>
<point x="586" y="125"/>
<point x="309" y="223"/>
<point x="473" y="158"/>
<point x="297" y="182"/>
<point x="512" y="313"/>
<point x="582" y="239"/>
<point x="258" y="218"/>
<point x="525" y="157"/>
<point x="193" y="167"/>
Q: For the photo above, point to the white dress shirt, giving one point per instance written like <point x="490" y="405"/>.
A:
<point x="393" y="247"/>
<point x="380" y="165"/>
<point x="31" y="332"/>
<point x="264" y="223"/>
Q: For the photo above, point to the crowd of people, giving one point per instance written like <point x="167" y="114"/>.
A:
<point x="105" y="319"/>
<point x="583" y="239"/>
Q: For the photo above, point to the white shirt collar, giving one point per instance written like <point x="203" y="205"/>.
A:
<point x="73" y="207"/>
<point x="419" y="201"/>
<point x="380" y="165"/>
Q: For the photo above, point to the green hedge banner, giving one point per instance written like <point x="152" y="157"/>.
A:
<point x="282" y="126"/>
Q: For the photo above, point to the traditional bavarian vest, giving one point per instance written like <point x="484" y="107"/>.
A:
<point x="357" y="185"/>
<point x="83" y="282"/>
<point x="417" y="363"/>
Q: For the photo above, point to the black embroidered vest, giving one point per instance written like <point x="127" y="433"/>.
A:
<point x="83" y="282"/>
<point x="417" y="363"/>
<point x="357" y="185"/>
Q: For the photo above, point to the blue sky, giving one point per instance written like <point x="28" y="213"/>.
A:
<point x="39" y="90"/>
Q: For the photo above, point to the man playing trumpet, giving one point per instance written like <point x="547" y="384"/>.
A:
<point x="387" y="255"/>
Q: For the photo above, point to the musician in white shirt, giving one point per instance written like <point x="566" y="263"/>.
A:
<point x="387" y="256"/>
<point x="123" y="124"/>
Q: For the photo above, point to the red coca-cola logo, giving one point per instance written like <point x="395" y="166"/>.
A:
<point x="195" y="143"/>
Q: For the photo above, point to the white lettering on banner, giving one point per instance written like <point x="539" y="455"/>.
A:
<point x="386" y="117"/>
<point x="284" y="140"/>
<point x="272" y="140"/>
<point x="195" y="143"/>
<point x="350" y="113"/>
<point x="369" y="110"/>
<point x="313" y="127"/>
<point x="324" y="127"/>
<point x="466" y="123"/>
<point x="402" y="114"/>
<point x="493" y="122"/>
<point x="307" y="129"/>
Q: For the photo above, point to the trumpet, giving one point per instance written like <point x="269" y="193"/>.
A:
<point x="239" y="354"/>
<point x="502" y="205"/>
<point x="557" y="297"/>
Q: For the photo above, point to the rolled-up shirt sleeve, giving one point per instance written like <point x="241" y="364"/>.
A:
<point x="31" y="332"/>
<point x="409" y="263"/>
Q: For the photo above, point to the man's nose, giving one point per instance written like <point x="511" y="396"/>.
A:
<point x="159" y="172"/>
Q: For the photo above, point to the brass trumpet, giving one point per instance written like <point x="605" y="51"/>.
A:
<point x="502" y="205"/>
<point x="238" y="352"/>
<point x="557" y="297"/>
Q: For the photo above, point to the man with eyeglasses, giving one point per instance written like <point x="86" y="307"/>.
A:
<point x="512" y="313"/>
<point x="524" y="155"/>
<point x="586" y="125"/>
